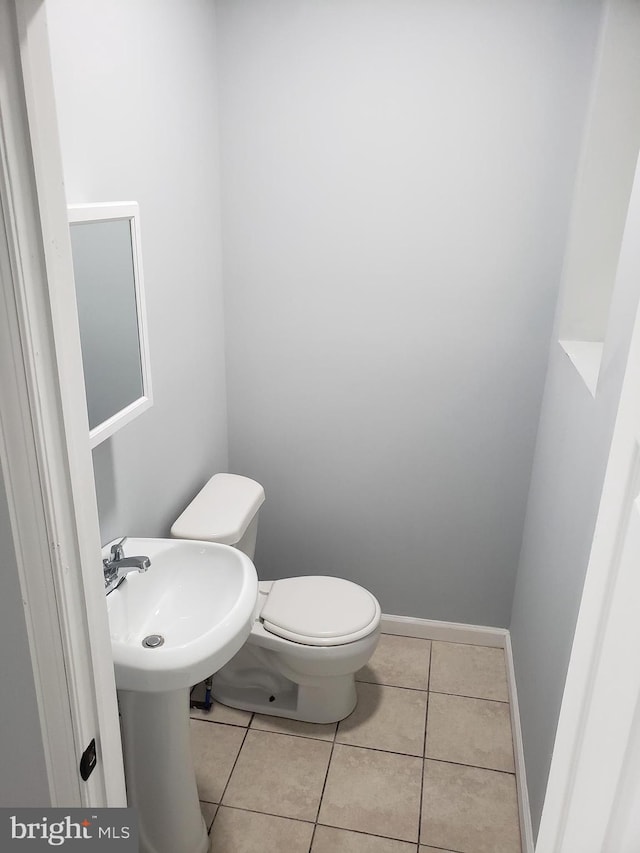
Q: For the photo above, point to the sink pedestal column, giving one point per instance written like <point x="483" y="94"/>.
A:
<point x="159" y="771"/>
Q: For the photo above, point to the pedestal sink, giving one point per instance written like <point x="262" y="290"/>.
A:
<point x="171" y="627"/>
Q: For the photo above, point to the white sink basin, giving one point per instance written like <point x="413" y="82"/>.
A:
<point x="198" y="596"/>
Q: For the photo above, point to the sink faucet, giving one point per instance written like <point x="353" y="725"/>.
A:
<point x="116" y="567"/>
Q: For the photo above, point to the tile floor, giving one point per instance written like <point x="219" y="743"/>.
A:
<point x="423" y="765"/>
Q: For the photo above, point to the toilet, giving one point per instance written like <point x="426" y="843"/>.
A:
<point x="310" y="635"/>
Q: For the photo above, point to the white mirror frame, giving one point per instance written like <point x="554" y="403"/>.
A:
<point x="100" y="213"/>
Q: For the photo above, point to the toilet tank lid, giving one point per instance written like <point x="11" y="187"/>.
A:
<point x="221" y="511"/>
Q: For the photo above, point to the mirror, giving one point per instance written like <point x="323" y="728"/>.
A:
<point x="107" y="266"/>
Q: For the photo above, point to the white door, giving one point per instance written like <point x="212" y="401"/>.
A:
<point x="592" y="803"/>
<point x="44" y="438"/>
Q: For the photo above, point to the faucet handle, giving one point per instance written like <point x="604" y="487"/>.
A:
<point x="117" y="550"/>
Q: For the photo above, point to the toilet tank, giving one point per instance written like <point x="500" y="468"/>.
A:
<point x="225" y="510"/>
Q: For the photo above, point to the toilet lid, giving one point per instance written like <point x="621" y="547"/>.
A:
<point x="319" y="611"/>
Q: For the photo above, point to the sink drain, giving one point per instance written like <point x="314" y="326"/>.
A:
<point x="153" y="641"/>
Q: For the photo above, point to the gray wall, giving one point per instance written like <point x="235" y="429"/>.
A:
<point x="396" y="187"/>
<point x="572" y="450"/>
<point x="136" y="94"/>
<point x="573" y="447"/>
<point x="23" y="771"/>
<point x="575" y="427"/>
<point x="396" y="181"/>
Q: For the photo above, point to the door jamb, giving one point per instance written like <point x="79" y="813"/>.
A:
<point x="44" y="444"/>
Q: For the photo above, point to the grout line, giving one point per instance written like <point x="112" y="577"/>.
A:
<point x="224" y="790"/>
<point x="424" y="748"/>
<point x="316" y="824"/>
<point x="269" y="814"/>
<point x="472" y="766"/>
<point x="326" y="776"/>
<point x="216" y="723"/>
<point x="298" y="734"/>
<point x="445" y="849"/>
<point x="421" y="758"/>
<point x="372" y="834"/>
<point x="381" y="749"/>
<point x="467" y="696"/>
<point x="398" y="686"/>
<point x="427" y="690"/>
<point x="219" y="722"/>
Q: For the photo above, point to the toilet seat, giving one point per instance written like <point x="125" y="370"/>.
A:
<point x="319" y="611"/>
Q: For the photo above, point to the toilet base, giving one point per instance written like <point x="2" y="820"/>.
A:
<point x="326" y="703"/>
<point x="314" y="684"/>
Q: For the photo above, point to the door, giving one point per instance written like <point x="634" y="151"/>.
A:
<point x="44" y="438"/>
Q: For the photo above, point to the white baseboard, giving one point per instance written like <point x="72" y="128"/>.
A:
<point x="448" y="632"/>
<point x="526" y="829"/>
<point x="478" y="635"/>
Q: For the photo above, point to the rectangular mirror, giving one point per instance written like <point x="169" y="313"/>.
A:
<point x="107" y="266"/>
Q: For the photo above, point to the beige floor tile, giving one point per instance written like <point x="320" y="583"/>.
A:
<point x="238" y="831"/>
<point x="279" y="774"/>
<point x="222" y="714"/>
<point x="477" y="671"/>
<point x="208" y="813"/>
<point x="469" y="810"/>
<point x="330" y="840"/>
<point x="373" y="792"/>
<point x="398" y="662"/>
<point x="469" y="731"/>
<point x="390" y="718"/>
<point x="215" y="748"/>
<point x="265" y="723"/>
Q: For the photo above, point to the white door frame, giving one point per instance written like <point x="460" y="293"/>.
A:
<point x="592" y="800"/>
<point x="44" y="444"/>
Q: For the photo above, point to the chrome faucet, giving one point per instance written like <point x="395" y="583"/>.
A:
<point x="116" y="567"/>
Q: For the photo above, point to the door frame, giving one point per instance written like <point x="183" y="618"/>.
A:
<point x="44" y="444"/>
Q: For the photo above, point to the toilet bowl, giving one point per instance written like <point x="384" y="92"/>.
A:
<point x="310" y="635"/>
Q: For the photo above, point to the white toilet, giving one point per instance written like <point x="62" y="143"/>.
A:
<point x="310" y="635"/>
